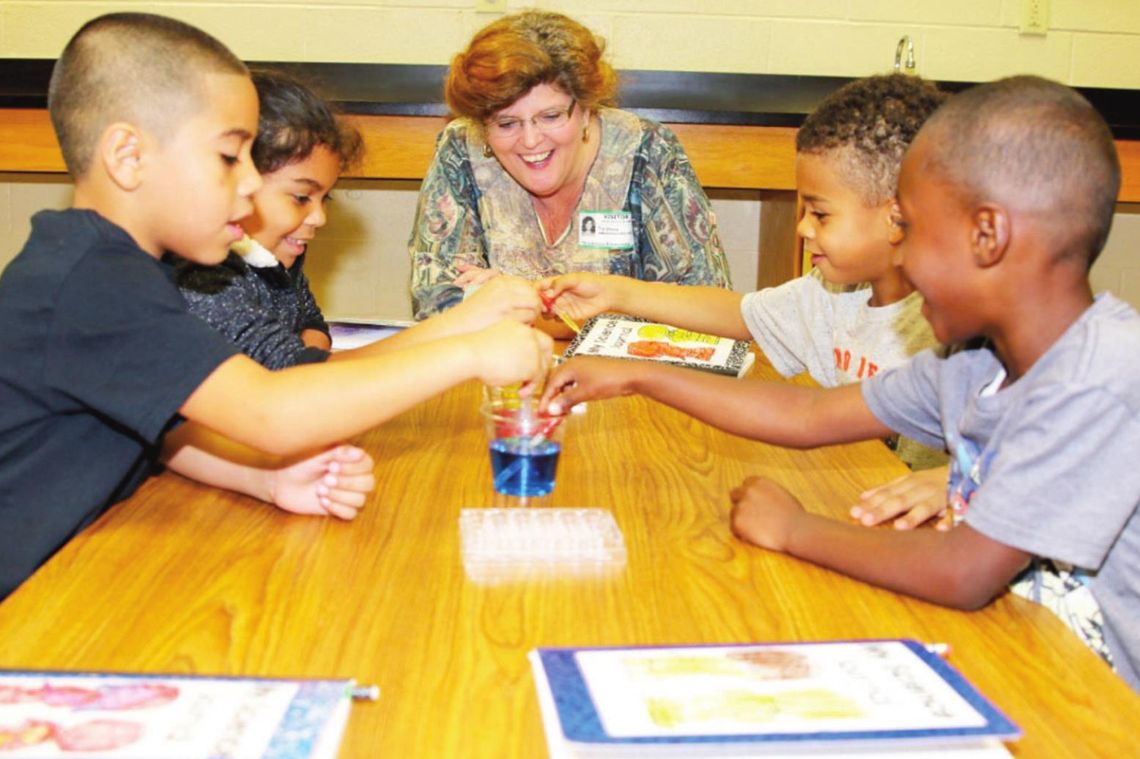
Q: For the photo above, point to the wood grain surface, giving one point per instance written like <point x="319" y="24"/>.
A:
<point x="184" y="579"/>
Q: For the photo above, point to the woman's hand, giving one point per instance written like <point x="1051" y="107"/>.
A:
<point x="473" y="275"/>
<point x="918" y="496"/>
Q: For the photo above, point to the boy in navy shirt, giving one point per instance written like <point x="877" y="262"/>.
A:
<point x="100" y="359"/>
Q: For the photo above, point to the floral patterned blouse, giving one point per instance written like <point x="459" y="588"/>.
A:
<point x="471" y="211"/>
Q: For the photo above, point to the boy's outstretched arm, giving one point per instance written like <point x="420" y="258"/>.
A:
<point x="503" y="297"/>
<point x="335" y="481"/>
<point x="774" y="412"/>
<point x="315" y="405"/>
<point x="712" y="310"/>
<point x="960" y="568"/>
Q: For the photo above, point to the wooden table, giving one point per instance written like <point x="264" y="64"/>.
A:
<point x="185" y="579"/>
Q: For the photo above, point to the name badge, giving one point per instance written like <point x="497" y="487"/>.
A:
<point x="608" y="230"/>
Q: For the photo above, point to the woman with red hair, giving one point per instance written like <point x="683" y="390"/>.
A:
<point x="538" y="148"/>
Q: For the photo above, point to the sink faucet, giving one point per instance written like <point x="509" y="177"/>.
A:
<point x="904" y="44"/>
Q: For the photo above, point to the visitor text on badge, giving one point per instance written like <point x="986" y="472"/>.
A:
<point x="610" y="230"/>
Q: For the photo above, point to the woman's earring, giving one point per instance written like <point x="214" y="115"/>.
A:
<point x="487" y="152"/>
<point x="586" y="134"/>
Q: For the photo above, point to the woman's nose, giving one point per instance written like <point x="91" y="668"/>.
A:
<point x="531" y="134"/>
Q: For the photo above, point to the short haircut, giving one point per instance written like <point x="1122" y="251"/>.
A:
<point x="510" y="56"/>
<point x="293" y="121"/>
<point x="1034" y="144"/>
<point x="868" y="124"/>
<point x="134" y="67"/>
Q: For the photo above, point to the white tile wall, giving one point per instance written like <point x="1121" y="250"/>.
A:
<point x="1089" y="42"/>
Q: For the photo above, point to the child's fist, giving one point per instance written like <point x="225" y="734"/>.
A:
<point x="764" y="513"/>
<point x="335" y="481"/>
<point x="510" y="352"/>
<point x="503" y="297"/>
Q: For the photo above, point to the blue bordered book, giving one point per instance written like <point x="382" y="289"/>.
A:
<point x="835" y="698"/>
<point x="89" y="714"/>
<point x="614" y="336"/>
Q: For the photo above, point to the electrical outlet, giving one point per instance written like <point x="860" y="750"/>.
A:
<point x="490" y="6"/>
<point x="1034" y="16"/>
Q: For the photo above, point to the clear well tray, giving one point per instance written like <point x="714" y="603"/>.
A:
<point x="540" y="538"/>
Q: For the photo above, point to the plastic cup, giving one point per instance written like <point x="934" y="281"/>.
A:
<point x="524" y="447"/>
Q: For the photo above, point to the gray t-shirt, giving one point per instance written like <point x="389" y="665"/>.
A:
<point x="1048" y="464"/>
<point x="831" y="331"/>
<point x="834" y="334"/>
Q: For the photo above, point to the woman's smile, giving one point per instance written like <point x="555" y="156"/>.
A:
<point x="538" y="160"/>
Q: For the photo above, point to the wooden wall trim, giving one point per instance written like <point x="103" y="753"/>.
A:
<point x="400" y="147"/>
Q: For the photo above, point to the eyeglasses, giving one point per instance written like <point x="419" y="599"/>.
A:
<point x="548" y="121"/>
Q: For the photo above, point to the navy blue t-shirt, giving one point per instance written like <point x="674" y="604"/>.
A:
<point x="97" y="354"/>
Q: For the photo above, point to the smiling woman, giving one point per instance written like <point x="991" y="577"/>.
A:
<point x="541" y="175"/>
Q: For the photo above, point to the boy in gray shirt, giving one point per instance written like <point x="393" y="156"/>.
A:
<point x="1007" y="196"/>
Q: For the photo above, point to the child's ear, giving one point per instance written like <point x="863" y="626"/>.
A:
<point x="895" y="232"/>
<point x="120" y="152"/>
<point x="989" y="234"/>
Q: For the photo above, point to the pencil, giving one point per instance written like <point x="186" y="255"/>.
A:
<point x="567" y="320"/>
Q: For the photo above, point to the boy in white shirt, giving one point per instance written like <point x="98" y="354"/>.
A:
<point x="854" y="313"/>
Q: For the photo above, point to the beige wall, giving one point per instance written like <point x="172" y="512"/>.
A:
<point x="359" y="263"/>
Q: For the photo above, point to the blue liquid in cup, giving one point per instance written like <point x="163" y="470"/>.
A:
<point x="522" y="467"/>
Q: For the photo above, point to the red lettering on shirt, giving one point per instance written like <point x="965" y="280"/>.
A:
<point x="867" y="368"/>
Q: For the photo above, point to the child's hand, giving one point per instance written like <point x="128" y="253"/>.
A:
<point x="503" y="297"/>
<point x="764" y="513"/>
<point x="335" y="482"/>
<point x="472" y="275"/>
<point x="579" y="295"/>
<point x="509" y="352"/>
<point x="587" y="378"/>
<point x="917" y="497"/>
